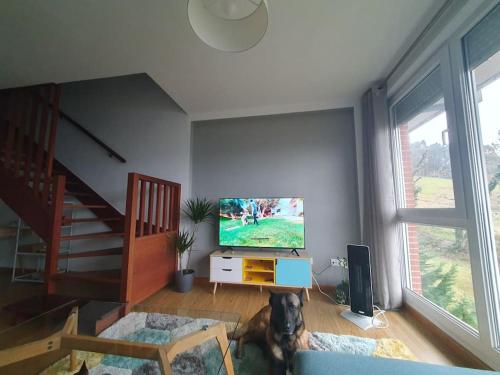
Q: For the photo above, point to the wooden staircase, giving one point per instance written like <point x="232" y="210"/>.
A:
<point x="35" y="185"/>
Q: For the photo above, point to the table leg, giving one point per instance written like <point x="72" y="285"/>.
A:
<point x="224" y="345"/>
<point x="260" y="288"/>
<point x="307" y="294"/>
<point x="73" y="358"/>
<point x="215" y="288"/>
<point x="164" y="363"/>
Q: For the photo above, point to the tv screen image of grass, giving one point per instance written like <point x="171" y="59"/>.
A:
<point x="262" y="222"/>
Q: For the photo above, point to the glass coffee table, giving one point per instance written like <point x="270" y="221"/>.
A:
<point x="108" y="337"/>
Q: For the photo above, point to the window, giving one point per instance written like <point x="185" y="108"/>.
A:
<point x="485" y="79"/>
<point x="446" y="150"/>
<point x="481" y="49"/>
<point x="437" y="252"/>
<point x="423" y="131"/>
<point x="440" y="269"/>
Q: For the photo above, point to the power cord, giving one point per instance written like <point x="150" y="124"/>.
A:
<point x="379" y="319"/>
<point x="326" y="294"/>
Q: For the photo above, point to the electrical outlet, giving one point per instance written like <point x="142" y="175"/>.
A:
<point x="335" y="262"/>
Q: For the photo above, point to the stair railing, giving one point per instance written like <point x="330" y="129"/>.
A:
<point x="29" y="118"/>
<point x="111" y="153"/>
<point x="151" y="224"/>
<point x="54" y="241"/>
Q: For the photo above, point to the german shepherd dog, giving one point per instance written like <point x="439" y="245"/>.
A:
<point x="279" y="329"/>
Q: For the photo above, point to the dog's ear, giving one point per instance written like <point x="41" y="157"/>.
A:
<point x="301" y="297"/>
<point x="271" y="297"/>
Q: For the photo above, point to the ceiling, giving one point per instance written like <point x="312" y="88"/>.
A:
<point x="317" y="54"/>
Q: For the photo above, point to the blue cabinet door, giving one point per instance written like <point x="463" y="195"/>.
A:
<point x="293" y="272"/>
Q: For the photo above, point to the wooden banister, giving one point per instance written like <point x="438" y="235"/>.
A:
<point x="28" y="122"/>
<point x="30" y="116"/>
<point x="77" y="125"/>
<point x="56" y="216"/>
<point x="109" y="150"/>
<point x="151" y="223"/>
<point x="156" y="203"/>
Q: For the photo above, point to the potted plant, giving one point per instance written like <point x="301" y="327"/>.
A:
<point x="198" y="211"/>
<point x="184" y="277"/>
<point x="342" y="289"/>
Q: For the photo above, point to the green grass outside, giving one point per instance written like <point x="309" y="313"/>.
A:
<point x="435" y="192"/>
<point x="463" y="283"/>
<point x="438" y="193"/>
<point x="279" y="232"/>
<point x="439" y="253"/>
<point x="437" y="242"/>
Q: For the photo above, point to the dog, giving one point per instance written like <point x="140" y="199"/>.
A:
<point x="279" y="329"/>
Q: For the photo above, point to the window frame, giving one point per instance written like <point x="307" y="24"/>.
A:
<point x="437" y="216"/>
<point x="441" y="217"/>
<point x="480" y="220"/>
<point x="471" y="197"/>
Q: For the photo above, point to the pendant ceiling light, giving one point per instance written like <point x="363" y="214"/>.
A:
<point x="229" y="25"/>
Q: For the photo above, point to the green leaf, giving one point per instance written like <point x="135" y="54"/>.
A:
<point x="184" y="241"/>
<point x="198" y="210"/>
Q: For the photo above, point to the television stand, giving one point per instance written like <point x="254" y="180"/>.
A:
<point x="294" y="251"/>
<point x="262" y="268"/>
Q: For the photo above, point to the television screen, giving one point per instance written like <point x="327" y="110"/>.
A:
<point x="262" y="222"/>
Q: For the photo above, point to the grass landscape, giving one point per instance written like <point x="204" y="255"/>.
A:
<point x="271" y="232"/>
<point x="444" y="254"/>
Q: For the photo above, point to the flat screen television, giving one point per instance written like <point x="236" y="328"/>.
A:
<point x="262" y="222"/>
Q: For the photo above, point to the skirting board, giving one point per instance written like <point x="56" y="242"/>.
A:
<point x="326" y="288"/>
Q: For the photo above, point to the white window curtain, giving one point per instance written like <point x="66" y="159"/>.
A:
<point x="380" y="224"/>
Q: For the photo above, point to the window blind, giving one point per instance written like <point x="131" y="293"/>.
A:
<point x="483" y="41"/>
<point x="425" y="94"/>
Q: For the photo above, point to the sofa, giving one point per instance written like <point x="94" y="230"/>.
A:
<point x="319" y="363"/>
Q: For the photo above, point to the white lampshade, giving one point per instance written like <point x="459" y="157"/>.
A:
<point x="229" y="25"/>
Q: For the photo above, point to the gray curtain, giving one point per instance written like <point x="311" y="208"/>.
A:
<point x="380" y="231"/>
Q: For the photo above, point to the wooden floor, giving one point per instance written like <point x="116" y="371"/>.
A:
<point x="13" y="292"/>
<point x="320" y="315"/>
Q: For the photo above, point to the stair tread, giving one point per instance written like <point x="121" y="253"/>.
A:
<point x="106" y="276"/>
<point x="10" y="231"/>
<point x="96" y="253"/>
<point x="33" y="248"/>
<point x="68" y="182"/>
<point x="68" y="220"/>
<point x="7" y="231"/>
<point x="78" y="194"/>
<point x="75" y="206"/>
<point x="89" y="236"/>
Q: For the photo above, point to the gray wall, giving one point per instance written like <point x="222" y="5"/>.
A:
<point x="7" y="244"/>
<point x="136" y="118"/>
<point x="311" y="155"/>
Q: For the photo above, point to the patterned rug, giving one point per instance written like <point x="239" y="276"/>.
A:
<point x="205" y="359"/>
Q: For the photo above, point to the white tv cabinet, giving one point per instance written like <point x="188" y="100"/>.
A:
<point x="261" y="268"/>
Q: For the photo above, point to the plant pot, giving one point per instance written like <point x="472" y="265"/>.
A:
<point x="184" y="280"/>
<point x="342" y="293"/>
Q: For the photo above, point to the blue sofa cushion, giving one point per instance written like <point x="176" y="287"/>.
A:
<point x="316" y="363"/>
